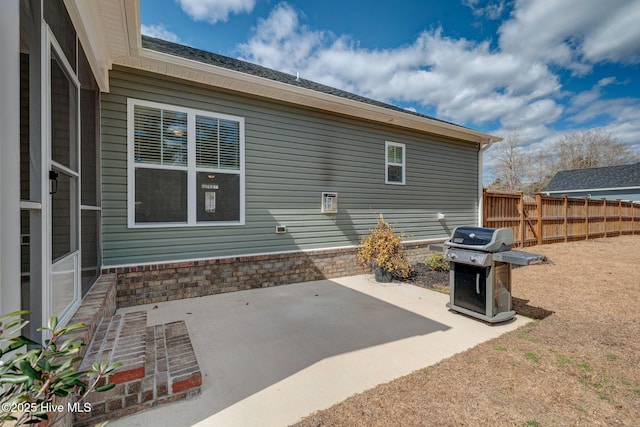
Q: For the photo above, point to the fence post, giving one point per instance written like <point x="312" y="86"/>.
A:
<point x="485" y="209"/>
<point x="522" y="226"/>
<point x="565" y="208"/>
<point x="604" y="213"/>
<point x="620" y="216"/>
<point x="539" y="215"/>
<point x="586" y="218"/>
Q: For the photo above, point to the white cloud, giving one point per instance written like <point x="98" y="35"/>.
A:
<point x="583" y="99"/>
<point x="573" y="33"/>
<point x="627" y="132"/>
<point x="280" y="42"/>
<point x="159" y="31"/>
<point x="544" y="111"/>
<point x="517" y="84"/>
<point x="625" y="109"/>
<point x="464" y="81"/>
<point x="490" y="10"/>
<point x="213" y="11"/>
<point x="617" y="39"/>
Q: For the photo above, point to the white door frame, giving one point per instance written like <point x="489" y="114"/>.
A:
<point x="51" y="47"/>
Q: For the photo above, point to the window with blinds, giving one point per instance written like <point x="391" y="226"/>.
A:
<point x="217" y="143"/>
<point x="160" y="136"/>
<point x="395" y="163"/>
<point x="172" y="148"/>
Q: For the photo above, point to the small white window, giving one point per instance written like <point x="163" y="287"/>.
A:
<point x="394" y="163"/>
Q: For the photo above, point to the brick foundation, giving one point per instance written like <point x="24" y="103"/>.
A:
<point x="166" y="282"/>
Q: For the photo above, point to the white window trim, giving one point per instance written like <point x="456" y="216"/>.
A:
<point x="190" y="168"/>
<point x="403" y="165"/>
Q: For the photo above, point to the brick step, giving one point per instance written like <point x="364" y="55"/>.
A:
<point x="122" y="339"/>
<point x="98" y="303"/>
<point x="170" y="370"/>
<point x="175" y="356"/>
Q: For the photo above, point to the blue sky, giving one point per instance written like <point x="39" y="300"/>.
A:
<point x="543" y="67"/>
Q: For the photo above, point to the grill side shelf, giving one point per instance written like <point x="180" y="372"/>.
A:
<point x="518" y="257"/>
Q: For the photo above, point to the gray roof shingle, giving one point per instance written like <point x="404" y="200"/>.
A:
<point x="205" y="57"/>
<point x="594" y="178"/>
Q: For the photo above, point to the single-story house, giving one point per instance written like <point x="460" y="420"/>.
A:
<point x="184" y="173"/>
<point x="611" y="182"/>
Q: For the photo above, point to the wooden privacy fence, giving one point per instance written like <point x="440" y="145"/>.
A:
<point x="559" y="219"/>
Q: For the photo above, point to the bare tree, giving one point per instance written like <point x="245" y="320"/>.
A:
<point x="590" y="149"/>
<point x="511" y="164"/>
<point x="520" y="170"/>
<point x="539" y="172"/>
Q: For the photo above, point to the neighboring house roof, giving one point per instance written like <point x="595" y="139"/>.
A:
<point x="610" y="177"/>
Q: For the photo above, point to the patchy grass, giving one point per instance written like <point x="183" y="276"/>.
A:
<point x="527" y="336"/>
<point x="563" y="360"/>
<point x="532" y="356"/>
<point x="585" y="368"/>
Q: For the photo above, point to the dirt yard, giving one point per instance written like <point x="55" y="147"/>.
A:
<point x="578" y="364"/>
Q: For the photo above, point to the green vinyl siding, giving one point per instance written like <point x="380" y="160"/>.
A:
<point x="292" y="156"/>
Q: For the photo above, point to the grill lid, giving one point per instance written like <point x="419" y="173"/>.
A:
<point x="482" y="239"/>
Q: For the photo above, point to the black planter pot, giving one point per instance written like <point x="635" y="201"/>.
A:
<point x="381" y="275"/>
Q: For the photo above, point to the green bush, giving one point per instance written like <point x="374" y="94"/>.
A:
<point x="381" y="248"/>
<point x="437" y="262"/>
<point x="33" y="375"/>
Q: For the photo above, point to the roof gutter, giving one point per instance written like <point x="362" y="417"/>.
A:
<point x="481" y="151"/>
<point x="586" y="190"/>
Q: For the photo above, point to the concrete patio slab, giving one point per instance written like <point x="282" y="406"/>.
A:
<point x="272" y="356"/>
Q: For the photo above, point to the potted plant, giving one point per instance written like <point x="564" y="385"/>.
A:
<point x="381" y="252"/>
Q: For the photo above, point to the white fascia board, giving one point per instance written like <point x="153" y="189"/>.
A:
<point x="159" y="62"/>
<point x="593" y="189"/>
<point x="133" y="33"/>
<point x="85" y="15"/>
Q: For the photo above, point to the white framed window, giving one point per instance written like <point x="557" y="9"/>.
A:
<point x="185" y="166"/>
<point x="394" y="163"/>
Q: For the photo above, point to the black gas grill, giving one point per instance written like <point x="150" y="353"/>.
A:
<point x="480" y="262"/>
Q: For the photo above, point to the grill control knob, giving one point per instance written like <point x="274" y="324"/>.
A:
<point x="453" y="256"/>
<point x="473" y="259"/>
